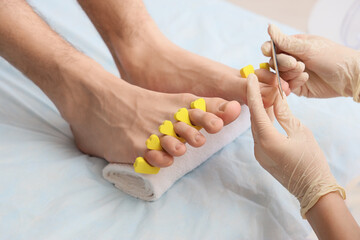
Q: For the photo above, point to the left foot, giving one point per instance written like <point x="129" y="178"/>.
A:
<point x="112" y="119"/>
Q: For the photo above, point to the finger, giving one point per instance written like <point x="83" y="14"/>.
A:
<point x="285" y="62"/>
<point x="290" y="44"/>
<point x="270" y="113"/>
<point x="158" y="158"/>
<point x="284" y="116"/>
<point x="260" y="122"/>
<point x="266" y="49"/>
<point x="291" y="74"/>
<point x="190" y="134"/>
<point x="268" y="94"/>
<point x="235" y="88"/>
<point x="270" y="78"/>
<point x="298" y="81"/>
<point x="287" y="91"/>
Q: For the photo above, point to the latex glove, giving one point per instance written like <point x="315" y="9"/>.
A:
<point x="295" y="160"/>
<point x="334" y="70"/>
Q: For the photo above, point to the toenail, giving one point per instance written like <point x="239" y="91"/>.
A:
<point x="178" y="146"/>
<point x="214" y="122"/>
<point x="167" y="162"/>
<point x="197" y="137"/>
<point x="222" y="107"/>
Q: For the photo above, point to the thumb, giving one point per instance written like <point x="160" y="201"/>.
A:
<point x="260" y="122"/>
<point x="270" y="113"/>
<point x="289" y="44"/>
<point x="285" y="118"/>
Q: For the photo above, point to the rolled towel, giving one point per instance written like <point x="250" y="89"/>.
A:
<point x="152" y="187"/>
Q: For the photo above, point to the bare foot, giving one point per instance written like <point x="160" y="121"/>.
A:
<point x="153" y="62"/>
<point x="112" y="119"/>
<point x="146" y="58"/>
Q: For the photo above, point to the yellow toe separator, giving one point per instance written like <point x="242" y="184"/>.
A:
<point x="141" y="166"/>
<point x="265" y="66"/>
<point x="153" y="143"/>
<point x="182" y="115"/>
<point x="199" y="104"/>
<point x="167" y="128"/>
<point x="246" y="71"/>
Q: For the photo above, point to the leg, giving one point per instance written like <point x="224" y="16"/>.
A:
<point x="145" y="57"/>
<point x="109" y="117"/>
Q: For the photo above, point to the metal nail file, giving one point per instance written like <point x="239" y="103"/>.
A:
<point x="276" y="67"/>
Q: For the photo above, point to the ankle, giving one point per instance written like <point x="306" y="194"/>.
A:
<point x="141" y="49"/>
<point x="82" y="82"/>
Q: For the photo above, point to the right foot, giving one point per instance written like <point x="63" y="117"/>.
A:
<point x="112" y="119"/>
<point x="153" y="62"/>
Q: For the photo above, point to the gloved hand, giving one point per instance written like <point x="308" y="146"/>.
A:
<point x="296" y="160"/>
<point x="334" y="70"/>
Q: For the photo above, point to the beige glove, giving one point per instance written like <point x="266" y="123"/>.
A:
<point x="296" y="160"/>
<point x="334" y="70"/>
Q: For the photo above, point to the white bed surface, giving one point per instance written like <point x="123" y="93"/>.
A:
<point x="50" y="190"/>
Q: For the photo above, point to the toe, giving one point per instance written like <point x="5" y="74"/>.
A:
<point x="190" y="134"/>
<point x="270" y="79"/>
<point x="209" y="121"/>
<point x="265" y="76"/>
<point x="172" y="146"/>
<point x="159" y="158"/>
<point x="228" y="111"/>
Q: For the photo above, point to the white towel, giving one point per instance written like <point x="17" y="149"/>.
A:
<point x="151" y="187"/>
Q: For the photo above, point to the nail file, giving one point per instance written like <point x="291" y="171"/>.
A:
<point x="276" y="67"/>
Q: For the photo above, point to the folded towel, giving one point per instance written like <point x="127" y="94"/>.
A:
<point x="151" y="187"/>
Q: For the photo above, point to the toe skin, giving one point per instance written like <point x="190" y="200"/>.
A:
<point x="159" y="158"/>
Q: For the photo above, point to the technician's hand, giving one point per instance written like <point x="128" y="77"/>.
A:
<point x="334" y="70"/>
<point x="295" y="160"/>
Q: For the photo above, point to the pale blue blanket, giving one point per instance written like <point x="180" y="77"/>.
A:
<point x="50" y="190"/>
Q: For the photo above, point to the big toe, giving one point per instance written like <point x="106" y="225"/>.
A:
<point x="228" y="111"/>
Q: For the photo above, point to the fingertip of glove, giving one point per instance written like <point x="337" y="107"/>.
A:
<point x="266" y="49"/>
<point x="269" y="27"/>
<point x="273" y="29"/>
<point x="306" y="76"/>
<point x="252" y="79"/>
<point x="252" y="85"/>
<point x="292" y="63"/>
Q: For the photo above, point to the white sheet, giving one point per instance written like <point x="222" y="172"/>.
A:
<point x="49" y="190"/>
